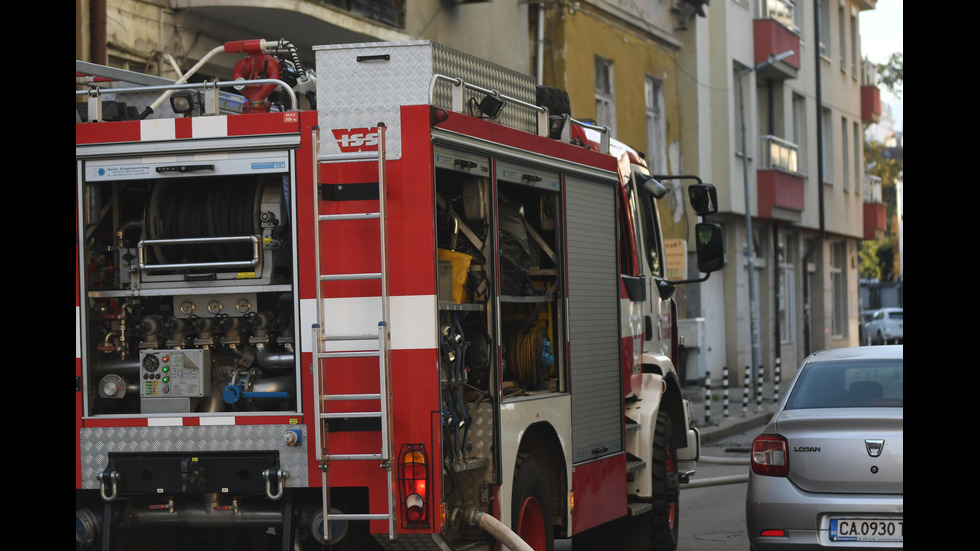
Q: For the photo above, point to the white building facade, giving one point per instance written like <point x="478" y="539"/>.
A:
<point x="762" y="73"/>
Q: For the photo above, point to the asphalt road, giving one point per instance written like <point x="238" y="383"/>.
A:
<point x="713" y="505"/>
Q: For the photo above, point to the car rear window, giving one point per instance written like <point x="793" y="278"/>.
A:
<point x="848" y="384"/>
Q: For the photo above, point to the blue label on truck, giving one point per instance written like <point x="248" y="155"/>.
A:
<point x="269" y="165"/>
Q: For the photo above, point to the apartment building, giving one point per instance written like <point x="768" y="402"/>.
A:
<point x="777" y="125"/>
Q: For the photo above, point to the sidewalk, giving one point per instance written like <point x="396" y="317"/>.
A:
<point x="740" y="419"/>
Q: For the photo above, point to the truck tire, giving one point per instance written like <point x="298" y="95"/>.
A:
<point x="665" y="517"/>
<point x="555" y="99"/>
<point x="531" y="505"/>
<point x="557" y="102"/>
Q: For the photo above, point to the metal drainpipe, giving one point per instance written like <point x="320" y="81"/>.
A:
<point x="97" y="39"/>
<point x="808" y="346"/>
<point x="539" y="45"/>
<point x="776" y="337"/>
<point x="777" y="352"/>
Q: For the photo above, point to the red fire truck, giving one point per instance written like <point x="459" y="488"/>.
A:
<point x="429" y="310"/>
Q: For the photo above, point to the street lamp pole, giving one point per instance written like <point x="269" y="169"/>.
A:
<point x="750" y="251"/>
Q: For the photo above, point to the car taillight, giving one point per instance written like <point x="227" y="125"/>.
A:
<point x="413" y="482"/>
<point x="769" y="455"/>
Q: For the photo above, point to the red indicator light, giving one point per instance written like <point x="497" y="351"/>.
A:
<point x="413" y="481"/>
<point x="437" y="115"/>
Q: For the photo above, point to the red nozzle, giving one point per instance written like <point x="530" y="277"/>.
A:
<point x="252" y="47"/>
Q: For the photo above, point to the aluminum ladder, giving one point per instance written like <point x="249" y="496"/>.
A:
<point x="320" y="378"/>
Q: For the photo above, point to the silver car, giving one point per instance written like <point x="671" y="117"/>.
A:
<point x="827" y="470"/>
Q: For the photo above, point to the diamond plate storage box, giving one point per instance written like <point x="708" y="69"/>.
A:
<point x="360" y="85"/>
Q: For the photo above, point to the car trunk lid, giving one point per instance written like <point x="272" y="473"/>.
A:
<point x="845" y="450"/>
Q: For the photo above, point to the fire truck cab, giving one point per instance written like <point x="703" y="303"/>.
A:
<point x="431" y="311"/>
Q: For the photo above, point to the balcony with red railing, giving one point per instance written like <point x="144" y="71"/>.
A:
<point x="780" y="185"/>
<point x="875" y="214"/>
<point x="770" y="38"/>
<point x="870" y="94"/>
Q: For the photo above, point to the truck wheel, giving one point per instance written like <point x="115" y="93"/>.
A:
<point x="531" y="505"/>
<point x="665" y="517"/>
<point x="558" y="104"/>
<point x="555" y="99"/>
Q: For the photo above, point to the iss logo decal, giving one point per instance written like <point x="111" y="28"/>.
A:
<point x="351" y="140"/>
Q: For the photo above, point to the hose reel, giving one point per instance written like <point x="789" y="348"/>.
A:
<point x="529" y="358"/>
<point x="199" y="227"/>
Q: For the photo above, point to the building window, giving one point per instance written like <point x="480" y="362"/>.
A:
<point x="845" y="154"/>
<point x="786" y="261"/>
<point x="842" y="39"/>
<point x="824" y="27"/>
<point x="828" y="152"/>
<point x="605" y="98"/>
<point x="742" y="103"/>
<point x="783" y="11"/>
<point x="656" y="126"/>
<point x="838" y="308"/>
<point x="799" y="129"/>
<point x="854" y="44"/>
<point x="858" y="144"/>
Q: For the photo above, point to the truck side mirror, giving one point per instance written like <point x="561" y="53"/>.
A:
<point x="711" y="247"/>
<point x="704" y="198"/>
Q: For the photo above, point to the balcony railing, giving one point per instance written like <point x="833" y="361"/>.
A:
<point x="783" y="11"/>
<point x="872" y="188"/>
<point x="780" y="185"/>
<point x="777" y="153"/>
<point x="869" y="73"/>
<point x="389" y="12"/>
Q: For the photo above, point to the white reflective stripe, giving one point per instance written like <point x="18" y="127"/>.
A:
<point x="201" y="127"/>
<point x="217" y="420"/>
<point x="307" y="317"/>
<point x="210" y="127"/>
<point x="165" y="421"/>
<point x="78" y="332"/>
<point x="413" y="321"/>
<point x="157" y="129"/>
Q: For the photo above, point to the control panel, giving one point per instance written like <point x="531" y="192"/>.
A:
<point x="175" y="373"/>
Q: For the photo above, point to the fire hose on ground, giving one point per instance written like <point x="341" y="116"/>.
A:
<point x="507" y="537"/>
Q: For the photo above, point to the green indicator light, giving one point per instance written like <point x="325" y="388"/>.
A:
<point x="166" y="369"/>
<point x="166" y="379"/>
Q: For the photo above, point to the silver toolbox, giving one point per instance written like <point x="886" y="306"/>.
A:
<point x="360" y="85"/>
